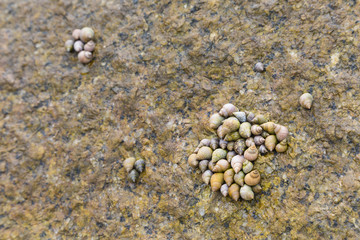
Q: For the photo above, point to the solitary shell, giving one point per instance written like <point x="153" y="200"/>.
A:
<point x="215" y="120"/>
<point x="270" y="142"/>
<point x="129" y="164"/>
<point x="306" y="100"/>
<point x="245" y="130"/>
<point x="239" y="146"/>
<point x="239" y="178"/>
<point x="234" y="191"/>
<point x="133" y="175"/>
<point x="259" y="119"/>
<point x="85" y="56"/>
<point x="228" y="109"/>
<point x="218" y="154"/>
<point x="223" y="143"/>
<point x="241" y="116"/>
<point x="216" y="180"/>
<point x="230" y="155"/>
<point x="269" y="127"/>
<point x="249" y="142"/>
<point x="229" y="176"/>
<point x="69" y="45"/>
<point x="221" y="132"/>
<point x="192" y="160"/>
<point x="247" y="166"/>
<point x="76" y="34"/>
<point x="224" y="190"/>
<point x="257" y="188"/>
<point x="140" y="165"/>
<point x="258" y="140"/>
<point x="233" y="136"/>
<point x="214" y="143"/>
<point x="78" y="46"/>
<point x="230" y="146"/>
<point x="203" y="165"/>
<point x="237" y="163"/>
<point x="221" y="166"/>
<point x="282" y="146"/>
<point x="251" y="153"/>
<point x="250" y="116"/>
<point x="256" y="129"/>
<point x="263" y="150"/>
<point x="206" y="176"/>
<point x="252" y="178"/>
<point x="86" y="34"/>
<point x="89" y="46"/>
<point x="246" y="193"/>
<point x="259" y="67"/>
<point x="281" y="132"/>
<point x="204" y="153"/>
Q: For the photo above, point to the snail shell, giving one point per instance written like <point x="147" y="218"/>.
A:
<point x="252" y="178"/>
<point x="249" y="142"/>
<point x="250" y="116"/>
<point x="216" y="180"/>
<point x="282" y="146"/>
<point x="239" y="146"/>
<point x="69" y="45"/>
<point x="233" y="136"/>
<point x="221" y="132"/>
<point x="218" y="154"/>
<point x="224" y="190"/>
<point x="257" y="188"/>
<point x="245" y="130"/>
<point x="76" y="34"/>
<point x="211" y="165"/>
<point x="259" y="67"/>
<point x="229" y="176"/>
<point x="306" y="100"/>
<point x="231" y="124"/>
<point x="221" y="166"/>
<point x="239" y="178"/>
<point x="241" y="116"/>
<point x="140" y="165"/>
<point x="192" y="160"/>
<point x="258" y="140"/>
<point x="263" y="150"/>
<point x="85" y="56"/>
<point x="251" y="153"/>
<point x="260" y="119"/>
<point x="204" y="143"/>
<point x="234" y="191"/>
<point x="214" y="143"/>
<point x="206" y="176"/>
<point x="264" y="134"/>
<point x="86" y="34"/>
<point x="230" y="155"/>
<point x="256" y="129"/>
<point x="246" y="193"/>
<point x="281" y="132"/>
<point x="78" y="46"/>
<point x="204" y="153"/>
<point x="223" y="143"/>
<point x="89" y="46"/>
<point x="269" y="127"/>
<point x="237" y="163"/>
<point x="228" y="109"/>
<point x="247" y="166"/>
<point x="133" y="175"/>
<point x="129" y="164"/>
<point x="203" y="165"/>
<point x="215" y="120"/>
<point x="230" y="146"/>
<point x="270" y="142"/>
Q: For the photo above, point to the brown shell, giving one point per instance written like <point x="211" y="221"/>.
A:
<point x="215" y="120"/>
<point x="229" y="176"/>
<point x="251" y="153"/>
<point x="269" y="127"/>
<point x="192" y="160"/>
<point x="281" y="132"/>
<point x="256" y="129"/>
<point x="270" y="142"/>
<point x="257" y="188"/>
<point x="227" y="110"/>
<point x="221" y="166"/>
<point x="234" y="191"/>
<point x="204" y="153"/>
<point x="306" y="100"/>
<point x="249" y="142"/>
<point x="231" y="124"/>
<point x="282" y="146"/>
<point x="129" y="163"/>
<point x="230" y="146"/>
<point x="245" y="130"/>
<point x="252" y="178"/>
<point x="259" y="140"/>
<point x="217" y="179"/>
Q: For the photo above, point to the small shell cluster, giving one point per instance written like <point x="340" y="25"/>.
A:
<point x="82" y="43"/>
<point x="134" y="167"/>
<point x="227" y="161"/>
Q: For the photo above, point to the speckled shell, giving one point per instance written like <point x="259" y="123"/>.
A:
<point x="192" y="161"/>
<point x="206" y="176"/>
<point x="69" y="45"/>
<point x="233" y="136"/>
<point x="85" y="57"/>
<point x="249" y="142"/>
<point x="218" y="154"/>
<point x="86" y="34"/>
<point x="234" y="191"/>
<point x="221" y="132"/>
<point x="258" y="140"/>
<point x="241" y="116"/>
<point x="221" y="166"/>
<point x="214" y="143"/>
<point x="76" y="34"/>
<point x="252" y="178"/>
<point x="270" y="142"/>
<point x="237" y="163"/>
<point x="251" y="153"/>
<point x="229" y="176"/>
<point x="140" y="165"/>
<point x="239" y="178"/>
<point x="247" y="166"/>
<point x="263" y="150"/>
<point x="269" y="127"/>
<point x="204" y="153"/>
<point x="215" y="120"/>
<point x="239" y="146"/>
<point x="245" y="130"/>
<point x="203" y="165"/>
<point x="230" y="155"/>
<point x="89" y="46"/>
<point x="246" y="193"/>
<point x="257" y="188"/>
<point x="256" y="129"/>
<point x="129" y="164"/>
<point x="78" y="46"/>
<point x="231" y="124"/>
<point x="306" y="100"/>
<point x="230" y="146"/>
<point x="216" y="180"/>
<point x="224" y="190"/>
<point x="250" y="116"/>
<point x="282" y="146"/>
<point x="133" y="175"/>
<point x="228" y="109"/>
<point x="259" y="67"/>
<point x="281" y="132"/>
<point x="223" y="143"/>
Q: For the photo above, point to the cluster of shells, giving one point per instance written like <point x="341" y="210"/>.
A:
<point x="82" y="43"/>
<point x="227" y="161"/>
<point x="134" y="167"/>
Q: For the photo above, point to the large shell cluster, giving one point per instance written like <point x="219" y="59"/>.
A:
<point x="83" y="43"/>
<point x="227" y="161"/>
<point x="134" y="167"/>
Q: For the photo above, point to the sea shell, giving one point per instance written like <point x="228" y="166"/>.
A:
<point x="269" y="127"/>
<point x="231" y="124"/>
<point x="251" y="153"/>
<point x="203" y="165"/>
<point x="140" y="165"/>
<point x="204" y="153"/>
<point x="281" y="132"/>
<point x="89" y="46"/>
<point x="211" y="165"/>
<point x="246" y="193"/>
<point x="241" y="116"/>
<point x="259" y="67"/>
<point x="215" y="120"/>
<point x="221" y="166"/>
<point x="260" y="119"/>
<point x="306" y="100"/>
<point x="282" y="146"/>
<point x="228" y="109"/>
<point x="224" y="190"/>
<point x="234" y="191"/>
<point x="264" y="134"/>
<point x="85" y="57"/>
<point x="214" y="143"/>
<point x="230" y="155"/>
<point x="204" y="143"/>
<point x="249" y="116"/>
<point x="196" y="150"/>
<point x="257" y="188"/>
<point x="86" y="34"/>
<point x="233" y="136"/>
<point x="237" y="163"/>
<point x="239" y="146"/>
<point x="218" y="154"/>
<point x="256" y="129"/>
<point x="206" y="176"/>
<point x="245" y="130"/>
<point x="69" y="45"/>
<point x="247" y="166"/>
<point x="258" y="140"/>
<point x="223" y="143"/>
<point x="133" y="175"/>
<point x="129" y="164"/>
<point x="249" y="142"/>
<point x="76" y="34"/>
<point x="252" y="178"/>
<point x="229" y="176"/>
<point x="239" y="178"/>
<point x="270" y="142"/>
<point x="78" y="46"/>
<point x="263" y="150"/>
<point x="221" y="132"/>
<point x="192" y="160"/>
<point x="216" y="180"/>
<point x="230" y="146"/>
